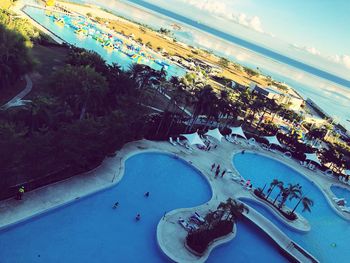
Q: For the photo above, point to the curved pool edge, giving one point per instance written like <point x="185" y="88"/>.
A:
<point x="302" y="225"/>
<point x="183" y="255"/>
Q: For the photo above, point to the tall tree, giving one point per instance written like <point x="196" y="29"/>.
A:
<point x="81" y="88"/>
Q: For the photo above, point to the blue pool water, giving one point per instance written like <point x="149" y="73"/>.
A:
<point x="341" y="192"/>
<point x="89" y="230"/>
<point x="326" y="226"/>
<point x="67" y="34"/>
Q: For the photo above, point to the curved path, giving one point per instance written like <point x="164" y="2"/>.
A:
<point x="17" y="100"/>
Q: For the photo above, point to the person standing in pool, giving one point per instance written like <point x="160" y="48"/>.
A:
<point x="115" y="205"/>
<point x="138" y="217"/>
<point x="147" y="194"/>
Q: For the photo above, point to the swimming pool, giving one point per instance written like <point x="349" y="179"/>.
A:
<point x="89" y="230"/>
<point x="327" y="228"/>
<point x="111" y="56"/>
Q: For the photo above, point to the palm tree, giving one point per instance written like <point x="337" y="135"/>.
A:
<point x="280" y="186"/>
<point x="233" y="209"/>
<point x="145" y="76"/>
<point x="307" y="203"/>
<point x="203" y="103"/>
<point x="292" y="191"/>
<point x="273" y="184"/>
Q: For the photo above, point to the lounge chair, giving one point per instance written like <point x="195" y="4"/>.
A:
<point x="345" y="209"/>
<point x="188" y="147"/>
<point x="199" y="217"/>
<point x="236" y="178"/>
<point x="304" y="163"/>
<point x="171" y="141"/>
<point x="179" y="141"/>
<point x="186" y="225"/>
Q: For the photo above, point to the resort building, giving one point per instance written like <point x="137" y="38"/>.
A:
<point x="294" y="102"/>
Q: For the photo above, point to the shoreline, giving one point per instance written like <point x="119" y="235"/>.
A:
<point x="260" y="49"/>
<point x="130" y="27"/>
<point x="296" y="90"/>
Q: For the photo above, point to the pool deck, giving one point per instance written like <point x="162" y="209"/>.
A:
<point x="170" y="234"/>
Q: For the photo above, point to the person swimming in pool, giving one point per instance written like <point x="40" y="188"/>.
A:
<point x="147" y="194"/>
<point x="138" y="217"/>
<point x="115" y="205"/>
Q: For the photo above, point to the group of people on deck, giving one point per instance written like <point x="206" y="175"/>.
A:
<point x="217" y="170"/>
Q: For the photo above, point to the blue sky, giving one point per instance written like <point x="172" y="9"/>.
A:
<point x="315" y="31"/>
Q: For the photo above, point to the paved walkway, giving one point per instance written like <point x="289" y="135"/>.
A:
<point x="17" y="100"/>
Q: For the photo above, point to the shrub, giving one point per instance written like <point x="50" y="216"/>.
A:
<point x="200" y="239"/>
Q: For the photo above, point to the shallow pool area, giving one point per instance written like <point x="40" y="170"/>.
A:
<point x="329" y="237"/>
<point x="69" y="35"/>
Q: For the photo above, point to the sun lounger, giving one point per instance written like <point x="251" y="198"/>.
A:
<point x="304" y="163"/>
<point x="236" y="178"/>
<point x="198" y="216"/>
<point x="186" y="225"/>
<point x="188" y="147"/>
<point x="345" y="209"/>
<point x="171" y="141"/>
<point x="179" y="142"/>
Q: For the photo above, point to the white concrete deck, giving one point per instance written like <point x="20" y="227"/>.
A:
<point x="170" y="234"/>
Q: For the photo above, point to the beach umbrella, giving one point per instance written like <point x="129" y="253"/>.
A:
<point x="238" y="131"/>
<point x="193" y="139"/>
<point x="215" y="133"/>
<point x="312" y="157"/>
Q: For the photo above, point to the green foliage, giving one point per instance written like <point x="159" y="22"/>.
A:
<point x="14" y="56"/>
<point x="224" y="62"/>
<point x="81" y="88"/>
<point x="164" y="31"/>
<point x="82" y="57"/>
<point x="83" y="116"/>
<point x="251" y="72"/>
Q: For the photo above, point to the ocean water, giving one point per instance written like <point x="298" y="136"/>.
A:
<point x="330" y="92"/>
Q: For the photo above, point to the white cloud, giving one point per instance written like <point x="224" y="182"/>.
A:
<point x="222" y="10"/>
<point x="311" y="50"/>
<point x="341" y="59"/>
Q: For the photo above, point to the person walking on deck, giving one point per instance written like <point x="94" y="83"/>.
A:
<point x="223" y="173"/>
<point x="20" y="193"/>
